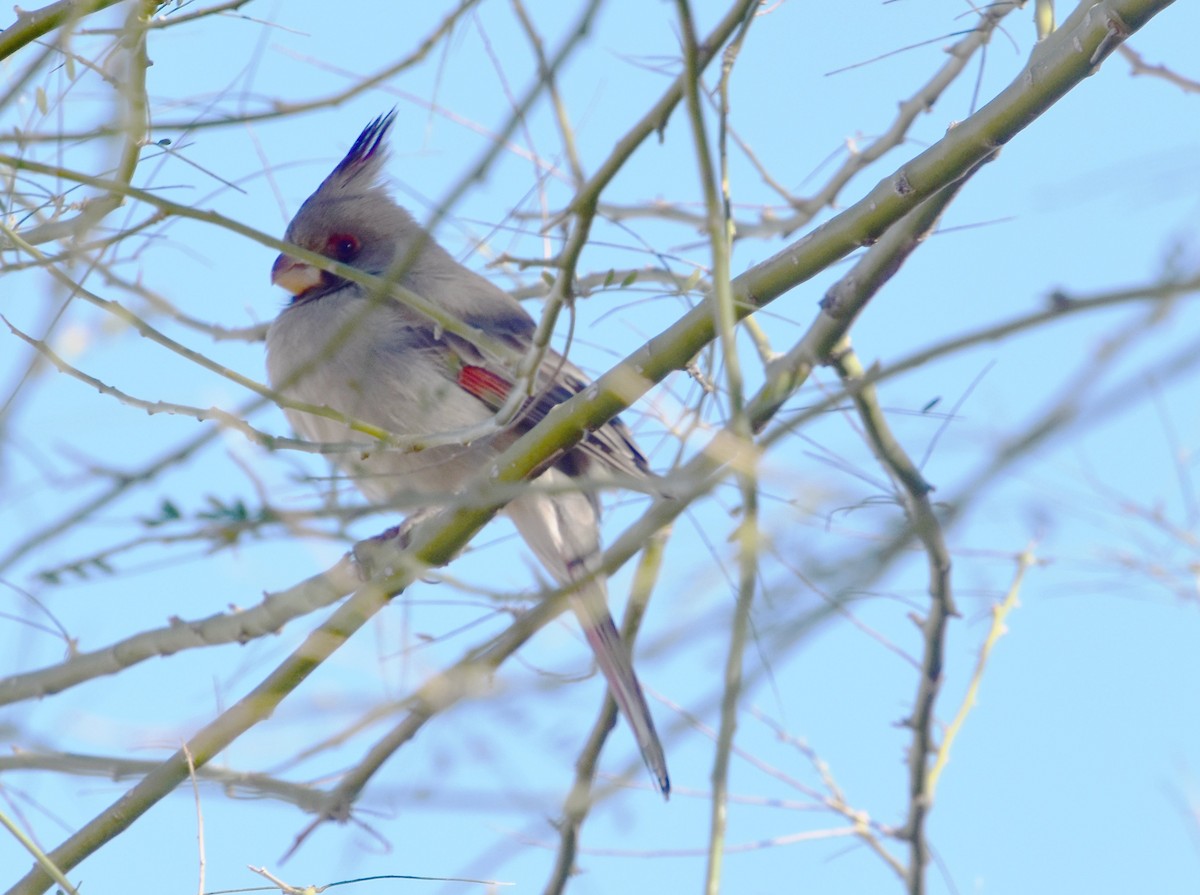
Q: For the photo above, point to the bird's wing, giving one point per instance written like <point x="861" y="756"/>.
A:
<point x="611" y="445"/>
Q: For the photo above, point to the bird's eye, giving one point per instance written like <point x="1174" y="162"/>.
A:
<point x="343" y="247"/>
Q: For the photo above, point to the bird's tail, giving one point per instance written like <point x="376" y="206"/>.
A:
<point x="612" y="655"/>
<point x="563" y="530"/>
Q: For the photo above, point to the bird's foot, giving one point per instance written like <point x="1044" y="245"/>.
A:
<point x="376" y="555"/>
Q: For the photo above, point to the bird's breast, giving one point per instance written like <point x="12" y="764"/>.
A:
<point x="368" y="365"/>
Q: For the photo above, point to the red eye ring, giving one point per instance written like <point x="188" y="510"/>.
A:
<point x="342" y="246"/>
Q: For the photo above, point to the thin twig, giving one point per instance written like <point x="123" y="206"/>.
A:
<point x="998" y="629"/>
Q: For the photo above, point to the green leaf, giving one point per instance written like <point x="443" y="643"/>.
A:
<point x="167" y="512"/>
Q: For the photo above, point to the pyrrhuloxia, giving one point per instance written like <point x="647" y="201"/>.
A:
<point x="377" y="360"/>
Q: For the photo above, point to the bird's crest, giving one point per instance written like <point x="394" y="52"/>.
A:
<point x="362" y="167"/>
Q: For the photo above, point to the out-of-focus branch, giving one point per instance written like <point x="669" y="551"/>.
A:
<point x="913" y="495"/>
<point x="998" y="629"/>
<point x="32" y="24"/>
<point x="581" y="798"/>
<point x="920" y="102"/>
<point x="1141" y="67"/>
<point x="219" y="733"/>
<point x="43" y="860"/>
<point x="113" y="768"/>
<point x="846" y="300"/>
<point x="215" y="414"/>
<point x="167" y="20"/>
<point x="77" y="514"/>
<point x="133" y="117"/>
<point x="1052" y="422"/>
<point x="278" y="109"/>
<point x="437" y="694"/>
<point x="133" y="127"/>
<point x="718" y="227"/>
<point x="583" y="205"/>
<point x="240" y="626"/>
<point x="835" y="799"/>
<point x="565" y="129"/>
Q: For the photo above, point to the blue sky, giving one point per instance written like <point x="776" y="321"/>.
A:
<point x="1078" y="767"/>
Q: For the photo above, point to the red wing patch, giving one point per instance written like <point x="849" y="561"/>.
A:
<point x="484" y="385"/>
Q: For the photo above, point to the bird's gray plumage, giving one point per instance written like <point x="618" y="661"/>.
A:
<point x="373" y="359"/>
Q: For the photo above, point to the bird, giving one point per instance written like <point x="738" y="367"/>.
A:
<point x="374" y="359"/>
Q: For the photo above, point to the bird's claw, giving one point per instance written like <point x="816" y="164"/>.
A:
<point x="374" y="555"/>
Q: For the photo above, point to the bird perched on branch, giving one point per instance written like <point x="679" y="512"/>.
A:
<point x="375" y="359"/>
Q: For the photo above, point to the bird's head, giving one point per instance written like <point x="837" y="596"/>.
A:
<point x="350" y="218"/>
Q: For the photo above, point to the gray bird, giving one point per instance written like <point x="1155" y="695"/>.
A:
<point x="378" y="361"/>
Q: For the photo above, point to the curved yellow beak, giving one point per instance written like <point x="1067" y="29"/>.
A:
<point x="294" y="276"/>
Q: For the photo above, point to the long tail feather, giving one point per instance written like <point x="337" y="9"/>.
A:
<point x="563" y="531"/>
<point x="612" y="656"/>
